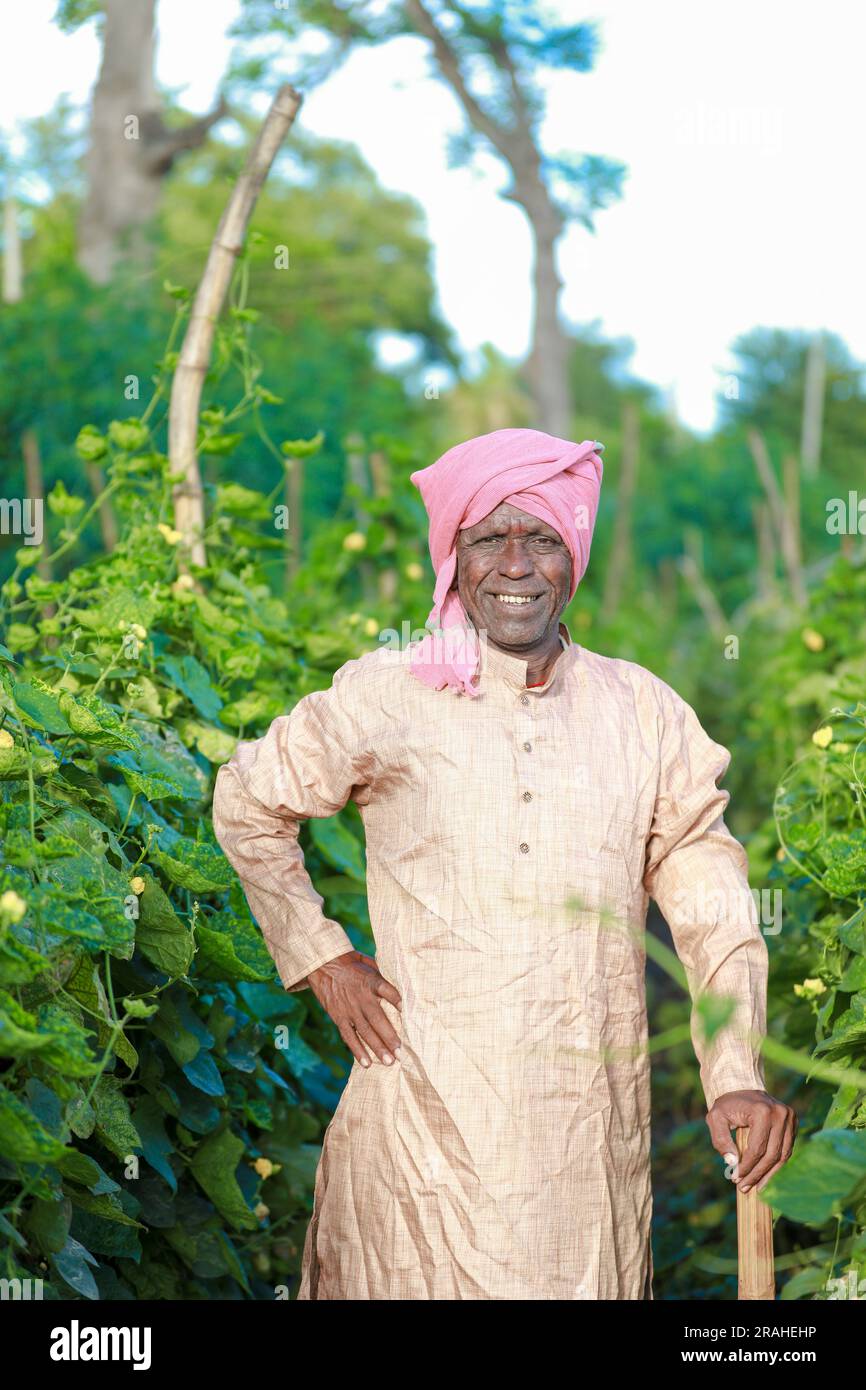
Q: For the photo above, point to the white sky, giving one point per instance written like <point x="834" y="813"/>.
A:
<point x="741" y="126"/>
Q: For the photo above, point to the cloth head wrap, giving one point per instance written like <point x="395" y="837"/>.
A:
<point x="552" y="479"/>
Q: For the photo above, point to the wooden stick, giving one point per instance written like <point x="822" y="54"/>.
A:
<point x="756" y="1281"/>
<point x="194" y="358"/>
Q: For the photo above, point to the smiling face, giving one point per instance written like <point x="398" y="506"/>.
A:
<point x="514" y="579"/>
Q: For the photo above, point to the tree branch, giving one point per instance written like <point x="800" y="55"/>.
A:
<point x="163" y="145"/>
<point x="451" y="70"/>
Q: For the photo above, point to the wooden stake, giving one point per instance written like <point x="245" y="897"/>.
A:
<point x="620" y="551"/>
<point x="194" y="359"/>
<point x="756" y="1278"/>
<point x="813" y="406"/>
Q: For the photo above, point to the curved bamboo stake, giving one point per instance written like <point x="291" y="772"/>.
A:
<point x="756" y="1281"/>
<point x="194" y="359"/>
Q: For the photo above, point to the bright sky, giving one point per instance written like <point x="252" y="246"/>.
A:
<point x="741" y="126"/>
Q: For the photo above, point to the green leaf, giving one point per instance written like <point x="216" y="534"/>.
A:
<point x="233" y="950"/>
<point x="47" y="1224"/>
<point x="161" y="935"/>
<point x="303" y="448"/>
<point x="336" y="843"/>
<point x="194" y="865"/>
<point x="90" y="444"/>
<point x="113" y="1118"/>
<point x="40" y="706"/>
<point x="237" y="500"/>
<point x="820" y="1177"/>
<point x="71" y="1264"/>
<point x="129" y="435"/>
<point x="93" y="719"/>
<point x="155" y="1143"/>
<point x="62" y="503"/>
<point x="213" y="1167"/>
<point x="190" y="676"/>
<point x="22" y="1138"/>
<point x="218" y="444"/>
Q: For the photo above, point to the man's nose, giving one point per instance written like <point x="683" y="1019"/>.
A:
<point x="516" y="558"/>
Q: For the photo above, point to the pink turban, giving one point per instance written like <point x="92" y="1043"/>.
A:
<point x="552" y="479"/>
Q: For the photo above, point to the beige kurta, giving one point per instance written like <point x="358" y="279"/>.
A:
<point x="507" y="1155"/>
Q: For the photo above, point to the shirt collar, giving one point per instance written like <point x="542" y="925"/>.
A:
<point x="513" y="669"/>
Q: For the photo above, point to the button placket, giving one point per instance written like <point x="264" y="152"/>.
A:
<point x="526" y="701"/>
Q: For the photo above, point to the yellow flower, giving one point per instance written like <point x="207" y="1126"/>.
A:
<point x="353" y="618"/>
<point x="843" y="748"/>
<point x="823" y="737"/>
<point x="6" y="739"/>
<point x="780" y="853"/>
<point x="169" y="534"/>
<point x="12" y="906"/>
<point x="183" y="581"/>
<point x="138" y="884"/>
<point x="414" y="570"/>
<point x="140" y="632"/>
<point x="356" y="540"/>
<point x="371" y="627"/>
<point x="263" y="1167"/>
<point x="262" y="1212"/>
<point x="810" y="989"/>
<point x="813" y="640"/>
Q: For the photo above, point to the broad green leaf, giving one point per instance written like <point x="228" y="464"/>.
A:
<point x="155" y="1144"/>
<point x="113" y="1118"/>
<point x="820" y="1177"/>
<point x="91" y="718"/>
<point x="193" y="865"/>
<point x="71" y="1263"/>
<point x="160" y="934"/>
<point x="22" y="1138"/>
<point x="213" y="1166"/>
<point x="233" y="950"/>
<point x="336" y="843"/>
<point x="40" y="706"/>
<point x="190" y="676"/>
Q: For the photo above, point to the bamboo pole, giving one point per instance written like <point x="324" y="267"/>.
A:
<point x="380" y="473"/>
<point x="756" y="1275"/>
<point x="294" y="502"/>
<point x="813" y="406"/>
<point x="620" y="551"/>
<point x="186" y="387"/>
<point x="780" y="512"/>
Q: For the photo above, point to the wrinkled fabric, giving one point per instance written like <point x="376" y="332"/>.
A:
<point x="513" y="841"/>
<point x="550" y="478"/>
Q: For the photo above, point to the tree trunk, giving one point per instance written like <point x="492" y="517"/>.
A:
<point x="130" y="150"/>
<point x="547" y="365"/>
<point x="12" y="273"/>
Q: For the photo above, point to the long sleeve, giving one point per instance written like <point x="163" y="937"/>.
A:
<point x="309" y="763"/>
<point x="697" y="872"/>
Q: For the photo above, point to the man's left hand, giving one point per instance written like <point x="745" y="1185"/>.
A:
<point x="772" y="1128"/>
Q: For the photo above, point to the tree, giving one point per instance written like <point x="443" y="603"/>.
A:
<point x="131" y="148"/>
<point x="492" y="55"/>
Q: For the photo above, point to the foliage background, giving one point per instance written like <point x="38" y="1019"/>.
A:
<point x="162" y="1100"/>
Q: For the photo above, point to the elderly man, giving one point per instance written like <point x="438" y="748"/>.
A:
<point x="522" y="798"/>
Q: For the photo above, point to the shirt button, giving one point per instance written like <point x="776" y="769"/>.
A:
<point x="524" y="848"/>
<point x="527" y="796"/>
<point x="528" y="747"/>
<point x="524" y="699"/>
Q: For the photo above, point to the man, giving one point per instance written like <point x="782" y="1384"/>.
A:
<point x="522" y="797"/>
